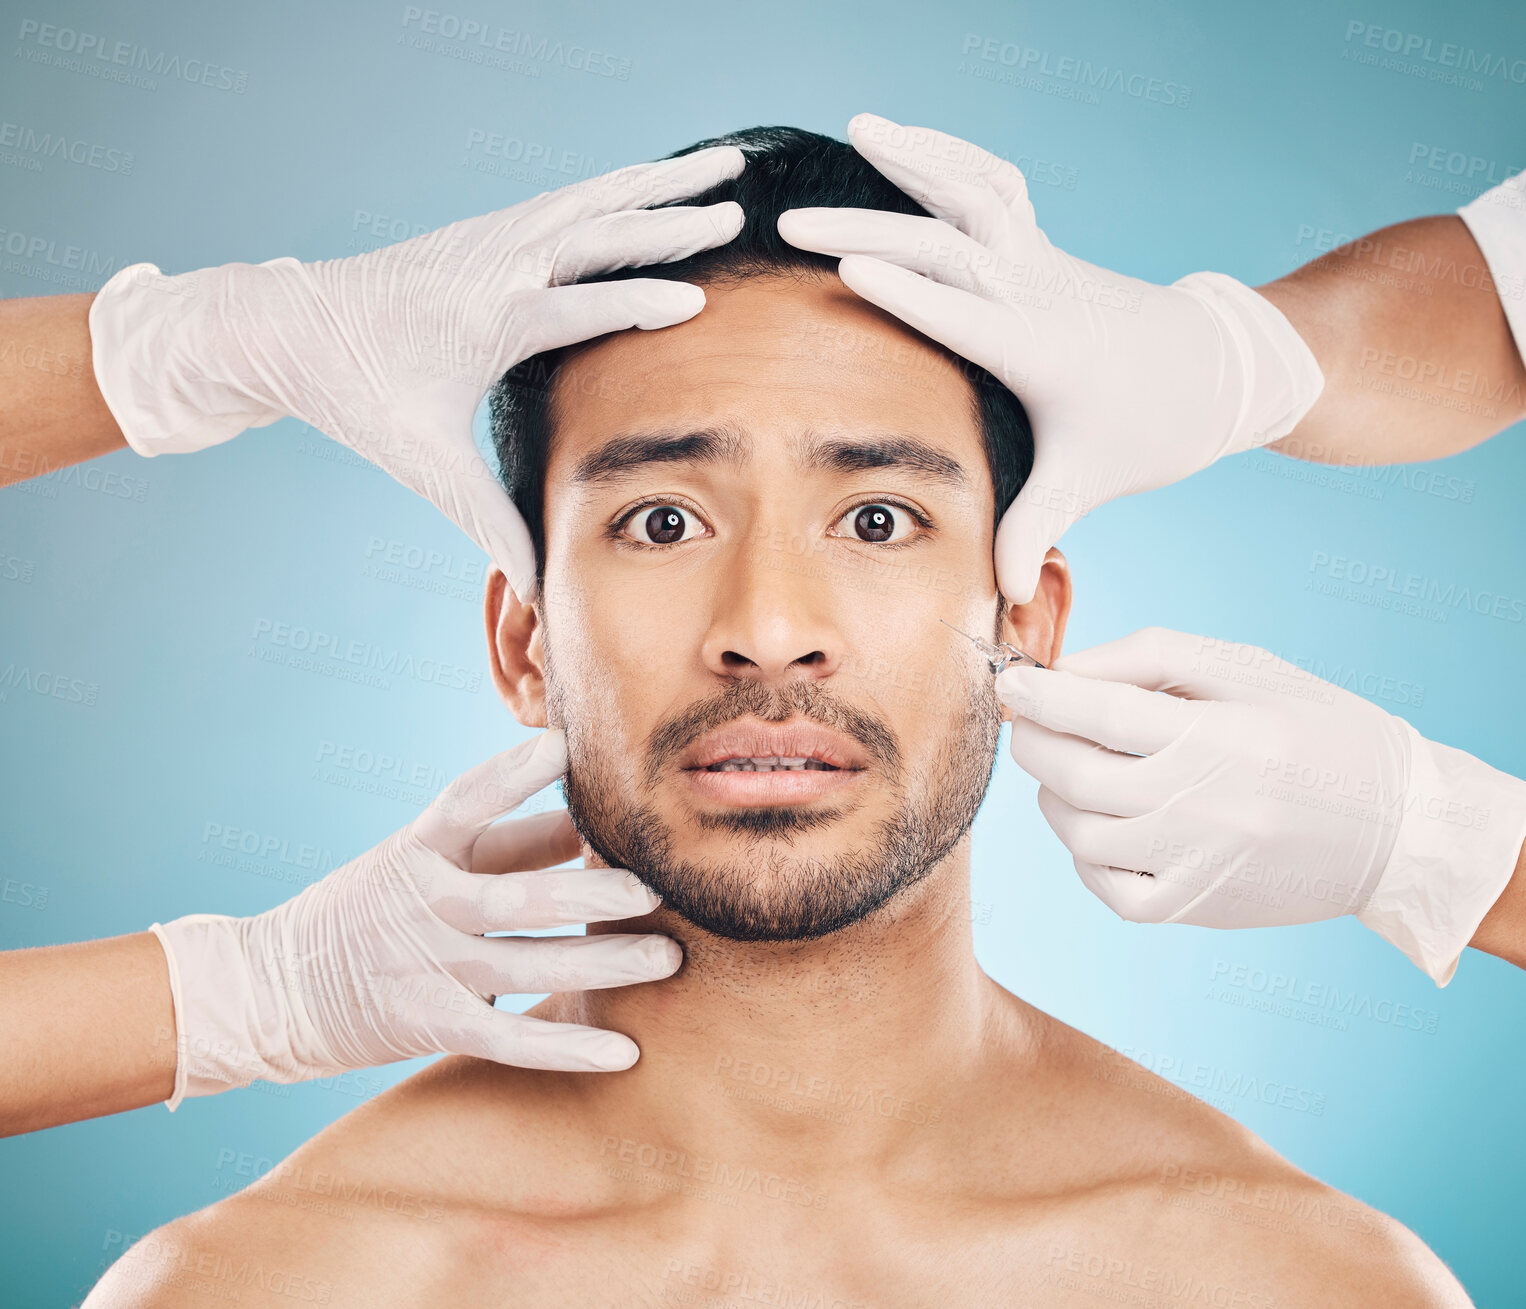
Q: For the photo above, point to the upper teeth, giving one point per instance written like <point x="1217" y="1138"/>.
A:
<point x="765" y="763"/>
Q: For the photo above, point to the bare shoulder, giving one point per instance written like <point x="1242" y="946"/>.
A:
<point x="1175" y="1198"/>
<point x="383" y="1192"/>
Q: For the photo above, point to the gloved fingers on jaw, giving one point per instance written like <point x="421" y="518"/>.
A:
<point x="639" y="237"/>
<point x="1083" y="773"/>
<point x="1113" y="714"/>
<point x="514" y="902"/>
<point x="951" y="178"/>
<point x="968" y="324"/>
<point x="565" y="315"/>
<point x="638" y="186"/>
<point x="524" y="1042"/>
<point x="460" y="813"/>
<point x="928" y="246"/>
<point x="533" y="964"/>
<point x="522" y="844"/>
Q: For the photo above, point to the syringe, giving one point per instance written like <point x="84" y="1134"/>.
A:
<point x="998" y="653"/>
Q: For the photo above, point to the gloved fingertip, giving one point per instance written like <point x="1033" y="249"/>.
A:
<point x="796" y="225"/>
<point x="1017" y="688"/>
<point x="523" y="585"/>
<point x="638" y="886"/>
<point x="609" y="1052"/>
<point x="727" y="217"/>
<point x="669" y="303"/>
<point x="550" y="752"/>
<point x="879" y="280"/>
<point x="863" y="123"/>
<point x="1024" y="592"/>
<point x="867" y="267"/>
<point x="827" y="230"/>
<point x="1023" y="538"/>
<point x="665" y="954"/>
<point x="729" y="160"/>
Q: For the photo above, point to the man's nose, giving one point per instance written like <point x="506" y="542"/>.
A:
<point x="774" y="618"/>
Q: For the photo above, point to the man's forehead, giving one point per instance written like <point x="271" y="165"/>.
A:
<point x="799" y="367"/>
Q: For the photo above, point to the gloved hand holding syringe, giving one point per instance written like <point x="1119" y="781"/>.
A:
<point x="1205" y="782"/>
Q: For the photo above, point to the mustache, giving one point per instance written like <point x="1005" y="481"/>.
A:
<point x="773" y="704"/>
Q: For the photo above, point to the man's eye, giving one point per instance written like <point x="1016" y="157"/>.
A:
<point x="662" y="525"/>
<point x="878" y="523"/>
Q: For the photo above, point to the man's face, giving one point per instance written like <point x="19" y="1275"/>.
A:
<point x="754" y="522"/>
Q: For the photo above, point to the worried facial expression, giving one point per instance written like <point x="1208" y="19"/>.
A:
<point x="754" y="522"/>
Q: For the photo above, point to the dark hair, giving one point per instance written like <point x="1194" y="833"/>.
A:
<point x="787" y="168"/>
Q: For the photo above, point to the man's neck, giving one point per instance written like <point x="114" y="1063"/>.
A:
<point x="840" y="1046"/>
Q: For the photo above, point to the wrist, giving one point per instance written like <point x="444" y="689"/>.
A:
<point x="1278" y="376"/>
<point x="231" y="1022"/>
<point x="1461" y="827"/>
<point x="169" y="356"/>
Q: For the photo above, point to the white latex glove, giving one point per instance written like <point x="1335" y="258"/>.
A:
<point x="1128" y="385"/>
<point x="1200" y="781"/>
<point x="384" y="959"/>
<point x="390" y="352"/>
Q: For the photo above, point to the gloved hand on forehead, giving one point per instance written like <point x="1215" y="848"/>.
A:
<point x="387" y="957"/>
<point x="390" y="352"/>
<point x="1205" y="782"/>
<point x="1129" y="385"/>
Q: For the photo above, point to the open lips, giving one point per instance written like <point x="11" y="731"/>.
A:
<point x="767" y="765"/>
<point x="800" y="746"/>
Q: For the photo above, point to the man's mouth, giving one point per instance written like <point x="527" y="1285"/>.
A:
<point x="752" y="763"/>
<point x="769" y="764"/>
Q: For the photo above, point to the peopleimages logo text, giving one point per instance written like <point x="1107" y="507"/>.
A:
<point x="1416" y="586"/>
<point x="1444" y="54"/>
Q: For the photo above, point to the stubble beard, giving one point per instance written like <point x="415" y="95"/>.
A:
<point x="764" y="892"/>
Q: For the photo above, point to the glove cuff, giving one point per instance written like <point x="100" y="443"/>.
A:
<point x="167" y="359"/>
<point x="1279" y="374"/>
<point x="221" y="1024"/>
<point x="1460" y="834"/>
<point x="177" y="1008"/>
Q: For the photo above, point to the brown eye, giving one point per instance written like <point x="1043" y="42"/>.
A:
<point x="662" y="525"/>
<point x="879" y="523"/>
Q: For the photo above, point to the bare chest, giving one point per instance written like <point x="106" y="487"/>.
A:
<point x="751" y="1254"/>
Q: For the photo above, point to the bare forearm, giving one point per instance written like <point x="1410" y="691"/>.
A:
<point x="1503" y="931"/>
<point x="51" y="411"/>
<point x="87" y="1030"/>
<point x="1418" y="358"/>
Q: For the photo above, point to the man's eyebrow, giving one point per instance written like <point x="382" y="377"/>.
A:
<point x="624" y="455"/>
<point x="904" y="453"/>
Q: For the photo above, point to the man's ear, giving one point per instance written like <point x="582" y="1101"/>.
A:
<point x="1038" y="627"/>
<point x="515" y="650"/>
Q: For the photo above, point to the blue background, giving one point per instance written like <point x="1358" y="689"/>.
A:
<point x="150" y="587"/>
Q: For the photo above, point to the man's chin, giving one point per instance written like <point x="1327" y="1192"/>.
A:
<point x="762" y="904"/>
<point x="771" y="890"/>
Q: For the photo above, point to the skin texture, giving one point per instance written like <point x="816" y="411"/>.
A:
<point x="864" y="1118"/>
<point x="1417" y="354"/>
<point x="1503" y="931"/>
<point x="75" y="1048"/>
<point x="51" y="411"/>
